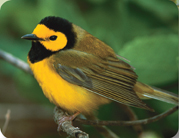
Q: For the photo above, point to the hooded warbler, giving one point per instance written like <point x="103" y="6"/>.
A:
<point x="78" y="72"/>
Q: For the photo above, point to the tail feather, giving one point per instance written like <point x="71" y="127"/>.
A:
<point x="146" y="92"/>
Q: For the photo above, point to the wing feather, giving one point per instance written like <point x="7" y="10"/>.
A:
<point x="111" y="77"/>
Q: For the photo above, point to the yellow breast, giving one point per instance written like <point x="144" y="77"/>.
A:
<point x="68" y="96"/>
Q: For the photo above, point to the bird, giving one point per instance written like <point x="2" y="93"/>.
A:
<point x="78" y="72"/>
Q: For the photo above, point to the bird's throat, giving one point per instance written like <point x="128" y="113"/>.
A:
<point x="38" y="52"/>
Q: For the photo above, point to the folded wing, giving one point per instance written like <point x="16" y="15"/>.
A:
<point x="111" y="77"/>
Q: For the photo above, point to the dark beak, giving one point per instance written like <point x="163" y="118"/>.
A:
<point x="31" y="37"/>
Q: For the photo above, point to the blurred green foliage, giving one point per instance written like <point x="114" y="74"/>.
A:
<point x="144" y="32"/>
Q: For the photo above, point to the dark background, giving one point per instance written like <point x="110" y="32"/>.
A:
<point x="143" y="31"/>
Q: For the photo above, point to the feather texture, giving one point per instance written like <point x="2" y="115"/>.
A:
<point x="112" y="79"/>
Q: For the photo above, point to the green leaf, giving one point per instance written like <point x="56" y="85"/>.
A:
<point x="154" y="57"/>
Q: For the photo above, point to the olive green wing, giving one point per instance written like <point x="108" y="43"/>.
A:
<point x="111" y="78"/>
<point x="75" y="76"/>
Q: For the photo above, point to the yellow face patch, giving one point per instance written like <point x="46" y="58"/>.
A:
<point x="41" y="31"/>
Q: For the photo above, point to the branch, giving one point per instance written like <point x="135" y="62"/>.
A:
<point x="7" y="118"/>
<point x="132" y="116"/>
<point x="103" y="130"/>
<point x="128" y="123"/>
<point x="59" y="113"/>
<point x="67" y="125"/>
<point x="15" y="61"/>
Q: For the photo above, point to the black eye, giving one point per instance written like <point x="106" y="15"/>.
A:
<point x="53" y="37"/>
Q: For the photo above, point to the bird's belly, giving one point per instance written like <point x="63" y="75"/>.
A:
<point x="68" y="96"/>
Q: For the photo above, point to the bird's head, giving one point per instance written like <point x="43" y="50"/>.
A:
<point x="53" y="33"/>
